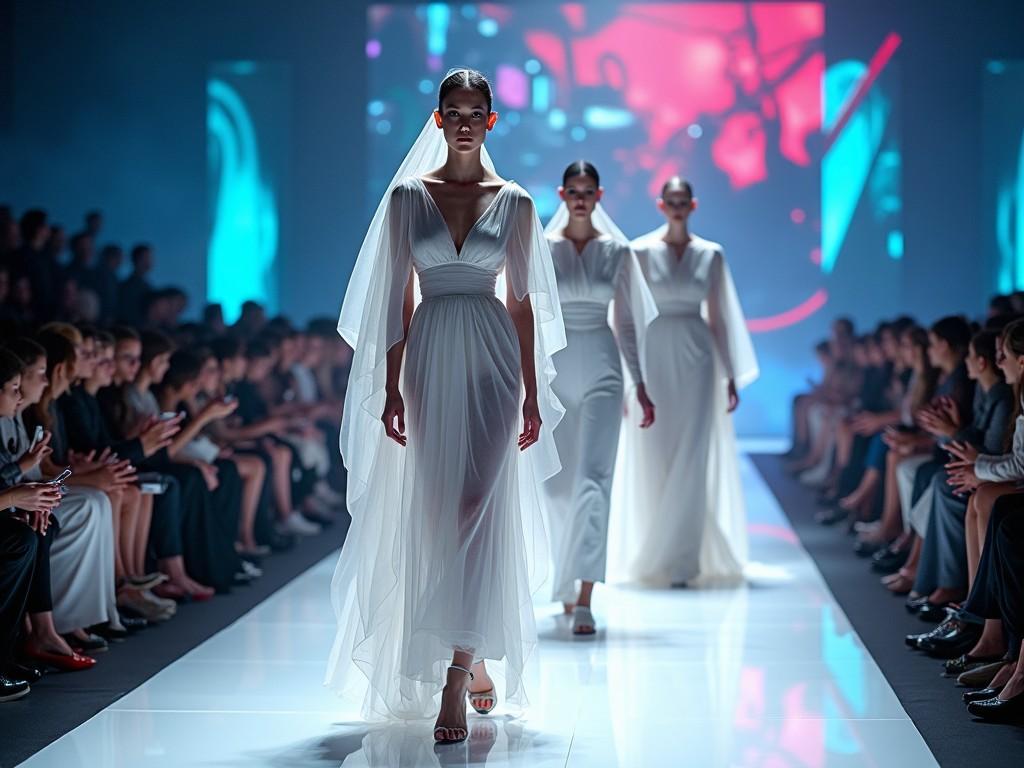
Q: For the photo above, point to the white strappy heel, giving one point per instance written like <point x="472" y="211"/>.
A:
<point x="582" y="617"/>
<point x="441" y="731"/>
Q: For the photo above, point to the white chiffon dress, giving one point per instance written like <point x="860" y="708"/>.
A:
<point x="590" y="387"/>
<point x="679" y="516"/>
<point x="447" y="544"/>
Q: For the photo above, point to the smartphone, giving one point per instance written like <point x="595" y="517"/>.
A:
<point x="168" y="415"/>
<point x="59" y="479"/>
<point x="36" y="437"/>
<point x="152" y="483"/>
<point x="228" y="399"/>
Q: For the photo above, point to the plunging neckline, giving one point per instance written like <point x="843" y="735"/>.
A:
<point x="678" y="256"/>
<point x="437" y="209"/>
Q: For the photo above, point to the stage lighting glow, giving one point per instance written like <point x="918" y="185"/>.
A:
<point x="373" y="49"/>
<point x="578" y="133"/>
<point x="488" y="27"/>
<point x="243" y="241"/>
<point x="694" y="131"/>
<point x="438" y="16"/>
<point x="426" y="86"/>
<point x="607" y="118"/>
<point x="557" y="119"/>
<point x="512" y="87"/>
<point x="375" y="108"/>
<point x="895" y="243"/>
<point x="383" y="127"/>
<point x="541" y="93"/>
<point x="532" y="67"/>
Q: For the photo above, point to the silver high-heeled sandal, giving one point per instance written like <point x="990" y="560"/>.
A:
<point x="490" y="693"/>
<point x="441" y="731"/>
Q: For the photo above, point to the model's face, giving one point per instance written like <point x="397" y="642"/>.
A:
<point x="677" y="205"/>
<point x="465" y="119"/>
<point x="103" y="372"/>
<point x="581" y="195"/>
<point x="1010" y="363"/>
<point x="10" y="397"/>
<point x="127" y="360"/>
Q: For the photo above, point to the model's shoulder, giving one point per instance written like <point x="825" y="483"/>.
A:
<point x="707" y="246"/>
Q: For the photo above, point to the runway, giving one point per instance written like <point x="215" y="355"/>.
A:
<point x="768" y="675"/>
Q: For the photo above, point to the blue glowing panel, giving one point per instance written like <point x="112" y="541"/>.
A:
<point x="1003" y="175"/>
<point x="246" y="130"/>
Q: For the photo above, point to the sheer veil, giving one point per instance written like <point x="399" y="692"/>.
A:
<point x="369" y="607"/>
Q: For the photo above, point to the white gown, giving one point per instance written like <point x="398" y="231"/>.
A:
<point x="679" y="516"/>
<point x="447" y="543"/>
<point x="590" y="387"/>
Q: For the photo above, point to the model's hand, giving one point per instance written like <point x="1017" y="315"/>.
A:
<point x="646" y="405"/>
<point x="531" y="423"/>
<point x="734" y="396"/>
<point x="394" y="414"/>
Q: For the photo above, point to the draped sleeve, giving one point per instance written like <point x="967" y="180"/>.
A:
<point x="371" y="322"/>
<point x="729" y="326"/>
<point x="633" y="310"/>
<point x="530" y="272"/>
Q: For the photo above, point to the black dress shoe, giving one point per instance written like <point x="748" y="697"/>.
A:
<point x="889" y="560"/>
<point x="965" y="663"/>
<point x="953" y="645"/>
<point x="997" y="710"/>
<point x="866" y="548"/>
<point x="109" y="633"/>
<point x="914" y="604"/>
<point x="11" y="690"/>
<point x="948" y="627"/>
<point x="831" y="516"/>
<point x="932" y="613"/>
<point x="280" y="542"/>
<point x="27" y="672"/>
<point x="982" y="695"/>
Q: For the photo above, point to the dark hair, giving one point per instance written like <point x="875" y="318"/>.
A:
<point x="581" y="168"/>
<point x="125" y="333"/>
<point x="823" y="348"/>
<point x="10" y="366"/>
<point x="185" y="366"/>
<point x="111" y="250"/>
<point x="104" y="338"/>
<point x="58" y="347"/>
<point x="844" y="325"/>
<point x="257" y="349"/>
<point x="31" y="222"/>
<point x="464" y="78"/>
<point x="25" y="349"/>
<point x="677" y="183"/>
<point x="1001" y="305"/>
<point x="226" y="347"/>
<point x="154" y="344"/>
<point x="139" y="250"/>
<point x="955" y="331"/>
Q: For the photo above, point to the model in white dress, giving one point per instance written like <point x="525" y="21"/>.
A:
<point x="595" y="268"/>
<point x="446" y="543"/>
<point x="680" y="517"/>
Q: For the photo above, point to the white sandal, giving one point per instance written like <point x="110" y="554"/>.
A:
<point x="582" y="617"/>
<point x="440" y="731"/>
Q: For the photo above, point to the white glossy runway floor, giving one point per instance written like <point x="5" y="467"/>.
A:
<point x="770" y="675"/>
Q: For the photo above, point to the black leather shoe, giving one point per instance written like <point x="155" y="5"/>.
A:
<point x="948" y="627"/>
<point x="914" y="604"/>
<point x="109" y="633"/>
<point x="998" y="711"/>
<point x="953" y="645"/>
<point x="27" y="672"/>
<point x="133" y="624"/>
<point x="888" y="560"/>
<point x="932" y="613"/>
<point x="831" y="516"/>
<point x="965" y="663"/>
<point x="279" y="542"/>
<point x="11" y="690"/>
<point x="866" y="548"/>
<point x="982" y="695"/>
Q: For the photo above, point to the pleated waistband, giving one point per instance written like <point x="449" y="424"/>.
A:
<point x="584" y="316"/>
<point x="456" y="279"/>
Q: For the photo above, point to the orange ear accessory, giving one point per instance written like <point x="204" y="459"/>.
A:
<point x="492" y="120"/>
<point x="438" y="119"/>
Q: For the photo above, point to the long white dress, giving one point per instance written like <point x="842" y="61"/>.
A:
<point x="679" y="516"/>
<point x="446" y="544"/>
<point x="590" y="388"/>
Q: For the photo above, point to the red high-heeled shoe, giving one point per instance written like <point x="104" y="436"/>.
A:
<point x="76" y="662"/>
